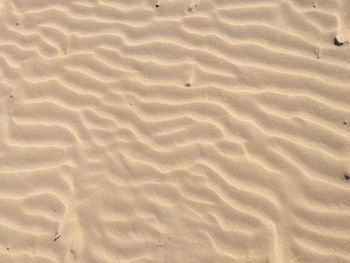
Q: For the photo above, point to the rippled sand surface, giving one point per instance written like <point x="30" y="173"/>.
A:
<point x="174" y="131"/>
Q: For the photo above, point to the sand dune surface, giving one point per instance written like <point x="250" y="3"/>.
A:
<point x="174" y="131"/>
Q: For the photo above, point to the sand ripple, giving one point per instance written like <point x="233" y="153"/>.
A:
<point x="195" y="131"/>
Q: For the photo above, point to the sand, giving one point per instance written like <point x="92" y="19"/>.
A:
<point x="135" y="131"/>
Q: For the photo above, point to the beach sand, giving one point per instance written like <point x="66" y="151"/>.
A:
<point x="174" y="131"/>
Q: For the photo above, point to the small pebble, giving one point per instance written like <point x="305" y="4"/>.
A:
<point x="347" y="176"/>
<point x="337" y="42"/>
<point x="192" y="8"/>
<point x="157" y="5"/>
<point x="188" y="84"/>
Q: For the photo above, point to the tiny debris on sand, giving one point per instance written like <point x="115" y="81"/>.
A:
<point x="337" y="42"/>
<point x="317" y="53"/>
<point x="56" y="237"/>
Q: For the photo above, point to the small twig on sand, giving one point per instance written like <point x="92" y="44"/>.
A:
<point x="56" y="237"/>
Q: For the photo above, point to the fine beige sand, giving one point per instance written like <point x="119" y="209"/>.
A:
<point x="177" y="131"/>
